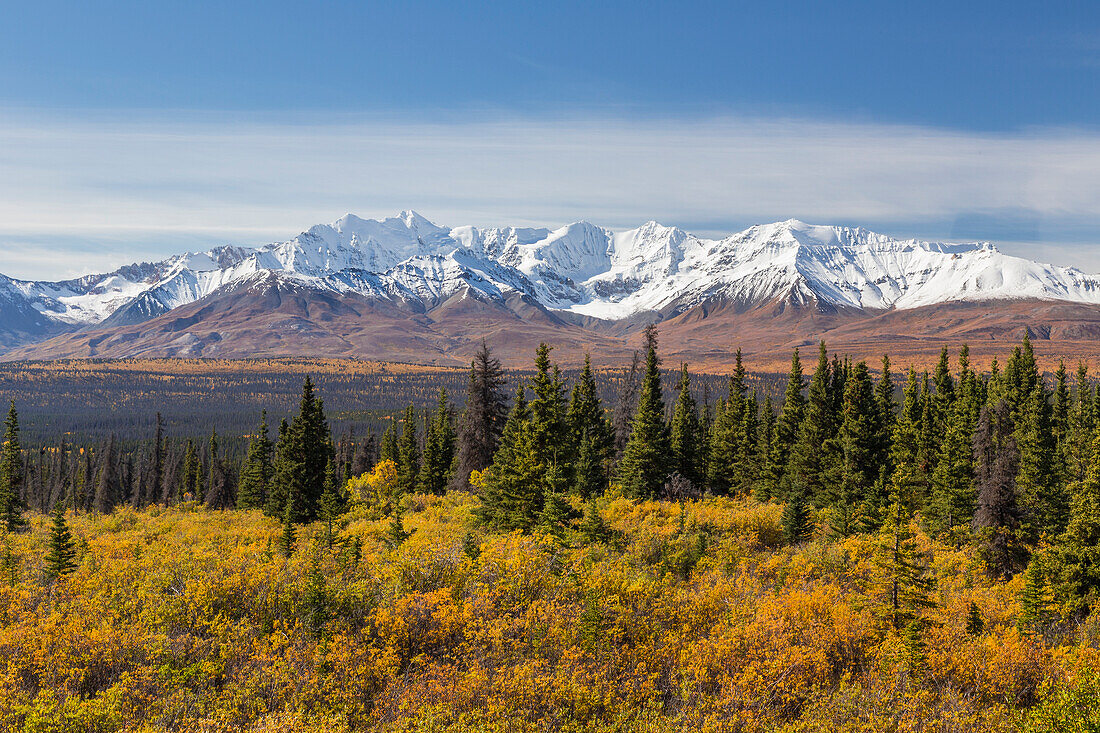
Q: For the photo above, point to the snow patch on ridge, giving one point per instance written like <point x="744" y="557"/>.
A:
<point x="581" y="268"/>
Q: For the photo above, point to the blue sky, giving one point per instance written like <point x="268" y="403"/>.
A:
<point x="129" y="130"/>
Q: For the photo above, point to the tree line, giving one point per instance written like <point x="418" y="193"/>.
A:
<point x="1001" y="459"/>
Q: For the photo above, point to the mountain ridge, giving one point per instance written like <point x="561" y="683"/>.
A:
<point x="580" y="273"/>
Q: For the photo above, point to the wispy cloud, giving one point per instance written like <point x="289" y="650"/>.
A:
<point x="84" y="193"/>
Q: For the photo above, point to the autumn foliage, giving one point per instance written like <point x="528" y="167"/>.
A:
<point x="689" y="615"/>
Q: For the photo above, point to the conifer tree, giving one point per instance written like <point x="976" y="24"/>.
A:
<point x="1059" y="417"/>
<point x="435" y="464"/>
<point x="549" y="431"/>
<point x="786" y="430"/>
<point x="903" y="581"/>
<point x="684" y="432"/>
<point x="626" y="404"/>
<point x="1082" y="424"/>
<point x="764" y="439"/>
<point x="852" y="498"/>
<point x="389" y="450"/>
<point x="61" y="557"/>
<point x="796" y="520"/>
<point x="316" y="598"/>
<point x="885" y="416"/>
<point x="746" y="468"/>
<point x="645" y="462"/>
<point x="108" y="490"/>
<point x="1021" y="377"/>
<point x="592" y="436"/>
<point x="301" y="459"/>
<point x="157" y="491"/>
<point x="945" y="389"/>
<point x="1075" y="557"/>
<point x="515" y="483"/>
<point x="191" y="471"/>
<point x="953" y="499"/>
<point x="975" y="624"/>
<point x="592" y="526"/>
<point x="408" y="453"/>
<point x="288" y="538"/>
<point x="1035" y="603"/>
<point x="482" y="419"/>
<point x="814" y="455"/>
<point x="928" y="437"/>
<point x="11" y="474"/>
<point x="995" y="466"/>
<point x="556" y="514"/>
<point x="727" y="435"/>
<point x="396" y="533"/>
<point x="329" y="508"/>
<point x="213" y="451"/>
<point x="257" y="473"/>
<point x="1043" y="498"/>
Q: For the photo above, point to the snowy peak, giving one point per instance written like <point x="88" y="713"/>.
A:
<point x="581" y="267"/>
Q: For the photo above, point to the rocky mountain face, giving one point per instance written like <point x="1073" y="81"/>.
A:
<point x="406" y="288"/>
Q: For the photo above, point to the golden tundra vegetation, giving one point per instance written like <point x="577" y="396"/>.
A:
<point x="653" y="616"/>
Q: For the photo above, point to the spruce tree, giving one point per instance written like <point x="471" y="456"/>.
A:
<point x="726" y="449"/>
<point x="1042" y="494"/>
<point x="549" y="431"/>
<point x="1059" y="416"/>
<point x="814" y="456"/>
<point x="515" y="484"/>
<point x="903" y="580"/>
<point x="157" y="492"/>
<point x="797" y="521"/>
<point x="592" y="527"/>
<point x="644" y="467"/>
<point x="885" y="415"/>
<point x="330" y="504"/>
<point x="302" y="456"/>
<point x="591" y="435"/>
<point x="747" y="468"/>
<point x="435" y="464"/>
<point x="389" y="450"/>
<point x="191" y="471"/>
<point x="257" y="473"/>
<point x="11" y="474"/>
<point x="482" y="419"/>
<point x="1075" y="557"/>
<point x="288" y="537"/>
<point x="997" y="518"/>
<point x="852" y="500"/>
<point x="213" y="451"/>
<point x="396" y="533"/>
<point x="954" y="499"/>
<point x="60" y="559"/>
<point x="786" y="430"/>
<point x="408" y="453"/>
<point x="975" y="624"/>
<point x="684" y="432"/>
<point x="1082" y="424"/>
<point x="108" y="490"/>
<point x="1035" y="603"/>
<point x="764" y="438"/>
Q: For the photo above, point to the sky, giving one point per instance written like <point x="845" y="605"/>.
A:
<point x="129" y="131"/>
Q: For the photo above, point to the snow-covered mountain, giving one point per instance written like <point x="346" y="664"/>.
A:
<point x="580" y="268"/>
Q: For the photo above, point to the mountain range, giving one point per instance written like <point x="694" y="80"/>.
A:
<point x="404" y="288"/>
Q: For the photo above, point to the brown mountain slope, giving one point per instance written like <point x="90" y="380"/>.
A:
<point x="281" y="319"/>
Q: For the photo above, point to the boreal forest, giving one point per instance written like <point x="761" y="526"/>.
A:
<point x="851" y="547"/>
